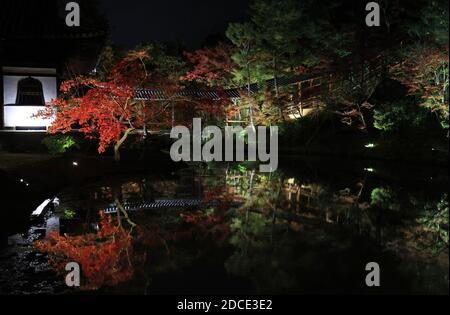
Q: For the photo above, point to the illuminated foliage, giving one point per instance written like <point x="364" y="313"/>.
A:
<point x="104" y="257"/>
<point x="435" y="221"/>
<point x="106" y="110"/>
<point x="426" y="74"/>
<point x="110" y="111"/>
<point x="69" y="214"/>
<point x="384" y="198"/>
<point x="395" y="116"/>
<point x="425" y="68"/>
<point x="247" y="70"/>
<point x="212" y="66"/>
<point x="60" y="144"/>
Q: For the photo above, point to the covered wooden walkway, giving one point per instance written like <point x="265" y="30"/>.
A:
<point x="307" y="91"/>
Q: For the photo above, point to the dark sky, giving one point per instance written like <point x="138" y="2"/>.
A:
<point x="185" y="21"/>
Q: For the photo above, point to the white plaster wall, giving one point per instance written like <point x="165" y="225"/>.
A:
<point x="21" y="116"/>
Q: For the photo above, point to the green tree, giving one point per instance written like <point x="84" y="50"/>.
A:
<point x="398" y="115"/>
<point x="166" y="61"/>
<point x="248" y="71"/>
<point x="244" y="37"/>
<point x="425" y="68"/>
<point x="435" y="222"/>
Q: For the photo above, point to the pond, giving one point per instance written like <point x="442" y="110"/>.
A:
<point x="311" y="227"/>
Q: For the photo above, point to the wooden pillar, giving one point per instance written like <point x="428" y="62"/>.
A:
<point x="300" y="94"/>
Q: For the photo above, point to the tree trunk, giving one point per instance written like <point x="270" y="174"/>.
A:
<point x="120" y="143"/>
<point x="300" y="94"/>
<point x="361" y="116"/>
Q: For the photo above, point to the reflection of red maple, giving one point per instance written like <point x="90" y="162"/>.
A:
<point x="194" y="226"/>
<point x="206" y="227"/>
<point x="219" y="196"/>
<point x="104" y="257"/>
<point x="212" y="225"/>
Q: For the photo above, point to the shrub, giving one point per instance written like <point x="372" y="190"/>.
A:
<point x="398" y="115"/>
<point x="435" y="221"/>
<point x="60" y="144"/>
<point x="385" y="199"/>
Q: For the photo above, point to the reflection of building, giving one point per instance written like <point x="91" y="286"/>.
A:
<point x="37" y="51"/>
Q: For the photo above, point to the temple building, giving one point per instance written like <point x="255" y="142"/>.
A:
<point x="38" y="51"/>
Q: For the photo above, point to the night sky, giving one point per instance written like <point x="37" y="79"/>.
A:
<point x="188" y="22"/>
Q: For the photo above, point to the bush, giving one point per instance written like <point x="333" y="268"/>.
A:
<point x="398" y="115"/>
<point x="385" y="199"/>
<point x="435" y="221"/>
<point x="60" y="144"/>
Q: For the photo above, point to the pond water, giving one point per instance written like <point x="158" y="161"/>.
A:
<point x="311" y="227"/>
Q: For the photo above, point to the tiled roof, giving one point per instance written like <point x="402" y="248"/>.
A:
<point x="160" y="95"/>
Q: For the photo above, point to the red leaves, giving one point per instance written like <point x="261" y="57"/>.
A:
<point x="101" y="109"/>
<point x="418" y="71"/>
<point x="109" y="110"/>
<point x="205" y="227"/>
<point x="194" y="226"/>
<point x="106" y="110"/>
<point x="104" y="257"/>
<point x="212" y="66"/>
<point x="425" y="74"/>
<point x="131" y="71"/>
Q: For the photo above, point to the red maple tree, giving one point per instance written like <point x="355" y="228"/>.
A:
<point x="425" y="72"/>
<point x="107" y="110"/>
<point x="110" y="110"/>
<point x="211" y="66"/>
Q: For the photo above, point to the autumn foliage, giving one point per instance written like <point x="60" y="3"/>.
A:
<point x="211" y="66"/>
<point x="107" y="110"/>
<point x="104" y="257"/>
<point x="111" y="109"/>
<point x="202" y="225"/>
<point x="425" y="73"/>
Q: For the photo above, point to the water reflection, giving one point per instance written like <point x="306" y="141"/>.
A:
<point x="285" y="232"/>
